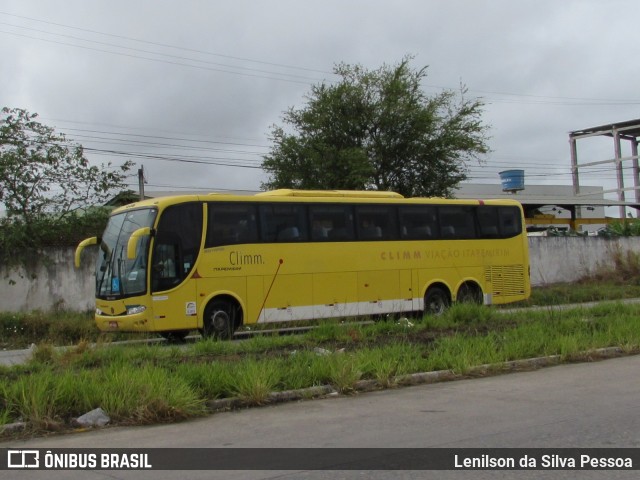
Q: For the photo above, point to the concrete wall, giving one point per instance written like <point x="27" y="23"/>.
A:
<point x="50" y="283"/>
<point x="566" y="259"/>
<point x="57" y="284"/>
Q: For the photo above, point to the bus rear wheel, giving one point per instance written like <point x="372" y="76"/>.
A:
<point x="469" y="293"/>
<point x="220" y="320"/>
<point x="436" y="301"/>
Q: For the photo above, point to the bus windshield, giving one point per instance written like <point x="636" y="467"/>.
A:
<point x="116" y="275"/>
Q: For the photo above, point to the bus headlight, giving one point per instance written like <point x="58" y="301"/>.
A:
<point x="99" y="312"/>
<point x="133" y="309"/>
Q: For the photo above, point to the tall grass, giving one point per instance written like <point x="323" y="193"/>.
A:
<point x="254" y="380"/>
<point x="209" y="380"/>
<point x="148" y="394"/>
<point x="57" y="327"/>
<point x="616" y="277"/>
<point x="383" y="364"/>
<point x="144" y="384"/>
<point x="623" y="267"/>
<point x="344" y="371"/>
<point x="129" y="395"/>
<point x="304" y="368"/>
<point x="34" y="399"/>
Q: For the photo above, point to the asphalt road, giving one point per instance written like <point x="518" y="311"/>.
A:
<point x="578" y="405"/>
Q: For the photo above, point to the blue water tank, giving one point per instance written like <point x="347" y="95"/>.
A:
<point x="512" y="180"/>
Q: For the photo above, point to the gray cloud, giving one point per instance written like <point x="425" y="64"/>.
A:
<point x="543" y="68"/>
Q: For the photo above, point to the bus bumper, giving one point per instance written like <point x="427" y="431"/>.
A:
<point x="134" y="320"/>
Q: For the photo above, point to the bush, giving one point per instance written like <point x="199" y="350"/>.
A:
<point x="628" y="227"/>
<point x="21" y="241"/>
<point x="19" y="330"/>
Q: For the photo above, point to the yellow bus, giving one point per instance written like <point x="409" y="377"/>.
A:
<point x="216" y="262"/>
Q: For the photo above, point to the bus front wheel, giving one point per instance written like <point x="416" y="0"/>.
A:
<point x="436" y="301"/>
<point x="219" y="320"/>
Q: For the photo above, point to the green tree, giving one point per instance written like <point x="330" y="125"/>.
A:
<point x="41" y="172"/>
<point x="47" y="186"/>
<point x="377" y="130"/>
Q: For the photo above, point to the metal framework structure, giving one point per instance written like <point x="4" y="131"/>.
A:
<point x="629" y="131"/>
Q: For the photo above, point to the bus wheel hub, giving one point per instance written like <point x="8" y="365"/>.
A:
<point x="220" y="320"/>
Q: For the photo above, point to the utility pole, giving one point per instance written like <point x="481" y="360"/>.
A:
<point x="141" y="181"/>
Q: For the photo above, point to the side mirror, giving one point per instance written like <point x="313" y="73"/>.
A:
<point x="132" y="244"/>
<point x="81" y="246"/>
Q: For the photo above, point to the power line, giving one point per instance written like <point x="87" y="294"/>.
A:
<point x="168" y="45"/>
<point x="147" y="52"/>
<point x="518" y="98"/>
<point x="543" y="99"/>
<point x="213" y="142"/>
<point x="90" y="140"/>
<point x="172" y="158"/>
<point x="162" y="61"/>
<point x="129" y="128"/>
<point x="477" y="172"/>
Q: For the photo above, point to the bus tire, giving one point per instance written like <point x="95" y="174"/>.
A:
<point x="436" y="301"/>
<point x="219" y="320"/>
<point x="469" y="293"/>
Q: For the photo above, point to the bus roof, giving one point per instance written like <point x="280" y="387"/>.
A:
<point x="284" y="195"/>
<point x="287" y="192"/>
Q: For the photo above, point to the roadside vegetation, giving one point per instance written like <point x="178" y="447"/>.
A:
<point x="150" y="383"/>
<point x="580" y="292"/>
<point x="75" y="369"/>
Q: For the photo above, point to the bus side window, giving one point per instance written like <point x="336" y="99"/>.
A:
<point x="283" y="223"/>
<point x="319" y="231"/>
<point x="165" y="270"/>
<point x="488" y="224"/>
<point x="376" y="222"/>
<point x="331" y="222"/>
<point x="419" y="222"/>
<point x="457" y="222"/>
<point x="448" y="231"/>
<point x="231" y="224"/>
<point x="510" y="221"/>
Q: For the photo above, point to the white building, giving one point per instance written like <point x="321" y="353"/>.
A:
<point x="549" y="205"/>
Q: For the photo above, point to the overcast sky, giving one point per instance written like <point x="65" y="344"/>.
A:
<point x="190" y="89"/>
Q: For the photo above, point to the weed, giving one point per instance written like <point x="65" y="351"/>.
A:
<point x="384" y="363"/>
<point x="34" y="398"/>
<point x="146" y="395"/>
<point x="253" y="381"/>
<point x="328" y="331"/>
<point x="44" y="353"/>
<point x="381" y="368"/>
<point x="208" y="379"/>
<point x="301" y="369"/>
<point x="469" y="314"/>
<point x="343" y="372"/>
